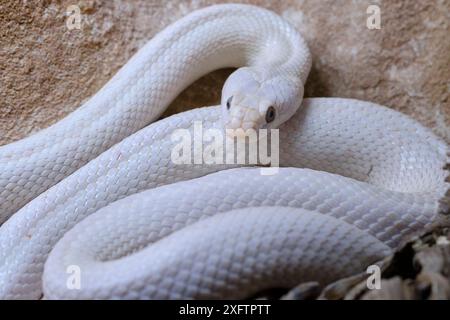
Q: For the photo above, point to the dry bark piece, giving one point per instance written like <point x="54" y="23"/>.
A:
<point x="304" y="291"/>
<point x="339" y="289"/>
<point x="433" y="286"/>
<point x="392" y="289"/>
<point x="420" y="269"/>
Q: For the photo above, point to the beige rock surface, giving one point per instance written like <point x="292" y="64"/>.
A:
<point x="47" y="70"/>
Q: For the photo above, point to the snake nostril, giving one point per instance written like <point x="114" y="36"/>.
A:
<point x="229" y="102"/>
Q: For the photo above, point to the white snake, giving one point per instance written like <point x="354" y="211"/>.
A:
<point x="374" y="177"/>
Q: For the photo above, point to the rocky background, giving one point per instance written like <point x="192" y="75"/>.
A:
<point x="48" y="70"/>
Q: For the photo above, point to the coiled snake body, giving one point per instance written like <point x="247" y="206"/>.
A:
<point x="356" y="178"/>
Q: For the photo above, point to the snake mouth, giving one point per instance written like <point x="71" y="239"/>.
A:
<point x="244" y="123"/>
<point x="244" y="118"/>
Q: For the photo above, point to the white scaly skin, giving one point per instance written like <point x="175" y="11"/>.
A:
<point x="275" y="62"/>
<point x="230" y="256"/>
<point x="398" y="163"/>
<point x="342" y="226"/>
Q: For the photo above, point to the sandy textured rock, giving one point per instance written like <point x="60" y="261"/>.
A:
<point x="47" y="70"/>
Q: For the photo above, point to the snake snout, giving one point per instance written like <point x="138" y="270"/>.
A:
<point x="244" y="118"/>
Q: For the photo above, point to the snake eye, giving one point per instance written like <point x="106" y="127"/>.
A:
<point x="229" y="102"/>
<point x="270" y="114"/>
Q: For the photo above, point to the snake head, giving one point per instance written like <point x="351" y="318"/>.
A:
<point x="257" y="99"/>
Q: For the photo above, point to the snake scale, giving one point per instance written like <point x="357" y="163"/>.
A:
<point x="99" y="190"/>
